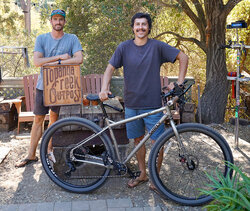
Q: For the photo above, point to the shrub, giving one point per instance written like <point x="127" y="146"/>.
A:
<point x="229" y="193"/>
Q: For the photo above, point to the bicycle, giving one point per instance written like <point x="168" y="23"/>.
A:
<point x="190" y="150"/>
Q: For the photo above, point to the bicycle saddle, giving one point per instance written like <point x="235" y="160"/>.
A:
<point x="92" y="97"/>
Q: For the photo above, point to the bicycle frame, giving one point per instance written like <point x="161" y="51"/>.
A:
<point x="89" y="157"/>
<point x="111" y="124"/>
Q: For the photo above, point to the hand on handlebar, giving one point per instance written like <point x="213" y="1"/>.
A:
<point x="178" y="89"/>
<point x="170" y="86"/>
<point x="103" y="95"/>
<point x="173" y="86"/>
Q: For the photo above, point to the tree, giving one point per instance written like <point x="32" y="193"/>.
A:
<point x="102" y="25"/>
<point x="8" y="19"/>
<point x="209" y="17"/>
<point x="25" y="5"/>
<point x="13" y="33"/>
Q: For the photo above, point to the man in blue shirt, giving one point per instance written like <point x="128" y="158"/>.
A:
<point x="51" y="48"/>
<point x="141" y="59"/>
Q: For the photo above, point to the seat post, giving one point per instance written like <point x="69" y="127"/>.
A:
<point x="105" y="115"/>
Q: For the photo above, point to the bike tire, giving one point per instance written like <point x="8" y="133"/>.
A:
<point x="208" y="150"/>
<point x="77" y="177"/>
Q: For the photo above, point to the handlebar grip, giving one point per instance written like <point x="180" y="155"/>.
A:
<point x="113" y="107"/>
<point x="226" y="46"/>
<point x="185" y="81"/>
<point x="222" y="47"/>
<point x="118" y="109"/>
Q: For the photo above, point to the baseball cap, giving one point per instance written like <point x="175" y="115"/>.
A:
<point x="58" y="12"/>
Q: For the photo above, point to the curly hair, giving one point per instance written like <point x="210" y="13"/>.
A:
<point x="142" y="15"/>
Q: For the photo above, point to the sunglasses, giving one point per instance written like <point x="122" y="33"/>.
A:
<point x="59" y="12"/>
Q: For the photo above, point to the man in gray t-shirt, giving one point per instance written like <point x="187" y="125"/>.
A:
<point x="51" y="48"/>
<point x="141" y="59"/>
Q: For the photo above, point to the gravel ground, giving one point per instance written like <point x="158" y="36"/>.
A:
<point x="31" y="184"/>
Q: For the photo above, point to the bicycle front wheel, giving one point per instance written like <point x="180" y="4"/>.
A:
<point x="80" y="162"/>
<point x="205" y="148"/>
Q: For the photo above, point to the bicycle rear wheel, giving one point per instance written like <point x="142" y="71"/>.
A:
<point x="207" y="150"/>
<point x="79" y="168"/>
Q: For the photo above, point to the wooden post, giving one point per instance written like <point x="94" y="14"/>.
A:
<point x="25" y="5"/>
<point x="199" y="103"/>
<point x="0" y="74"/>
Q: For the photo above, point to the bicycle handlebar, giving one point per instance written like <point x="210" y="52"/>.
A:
<point x="234" y="45"/>
<point x="172" y="92"/>
<point x="176" y="95"/>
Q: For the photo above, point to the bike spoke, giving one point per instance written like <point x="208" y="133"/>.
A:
<point x="178" y="180"/>
<point x="81" y="155"/>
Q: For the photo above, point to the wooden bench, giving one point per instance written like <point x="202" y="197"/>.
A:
<point x="29" y="83"/>
<point x="8" y="114"/>
<point x="92" y="83"/>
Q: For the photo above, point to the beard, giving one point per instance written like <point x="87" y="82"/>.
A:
<point x="56" y="28"/>
<point x="141" y="33"/>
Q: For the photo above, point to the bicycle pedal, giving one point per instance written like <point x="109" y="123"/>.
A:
<point x="134" y="174"/>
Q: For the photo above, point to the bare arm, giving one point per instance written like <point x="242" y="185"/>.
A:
<point x="39" y="60"/>
<point x="103" y="95"/>
<point x="183" y="65"/>
<point x="76" y="59"/>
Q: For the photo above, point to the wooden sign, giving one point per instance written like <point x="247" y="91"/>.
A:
<point x="62" y="85"/>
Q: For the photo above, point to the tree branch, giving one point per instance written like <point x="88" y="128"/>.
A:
<point x="189" y="12"/>
<point x="196" y="20"/>
<point x="200" y="11"/>
<point x="181" y="38"/>
<point x="24" y="5"/>
<point x="161" y="3"/>
<point x="230" y="5"/>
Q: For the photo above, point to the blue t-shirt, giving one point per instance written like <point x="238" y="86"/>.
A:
<point x="49" y="47"/>
<point x="141" y="68"/>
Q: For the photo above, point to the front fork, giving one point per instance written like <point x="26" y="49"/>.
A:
<point x="182" y="151"/>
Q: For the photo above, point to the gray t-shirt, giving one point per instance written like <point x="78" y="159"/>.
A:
<point x="49" y="47"/>
<point x="141" y="67"/>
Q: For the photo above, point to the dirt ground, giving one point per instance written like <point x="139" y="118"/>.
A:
<point x="31" y="184"/>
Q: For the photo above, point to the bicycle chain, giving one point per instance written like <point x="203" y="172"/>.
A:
<point x="89" y="177"/>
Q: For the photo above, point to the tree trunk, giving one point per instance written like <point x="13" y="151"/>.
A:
<point x="210" y="19"/>
<point x="26" y="10"/>
<point x="214" y="98"/>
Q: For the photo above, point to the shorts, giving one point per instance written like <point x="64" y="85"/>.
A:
<point x="136" y="129"/>
<point x="39" y="108"/>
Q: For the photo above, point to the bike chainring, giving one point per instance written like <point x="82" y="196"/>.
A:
<point x="83" y="153"/>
